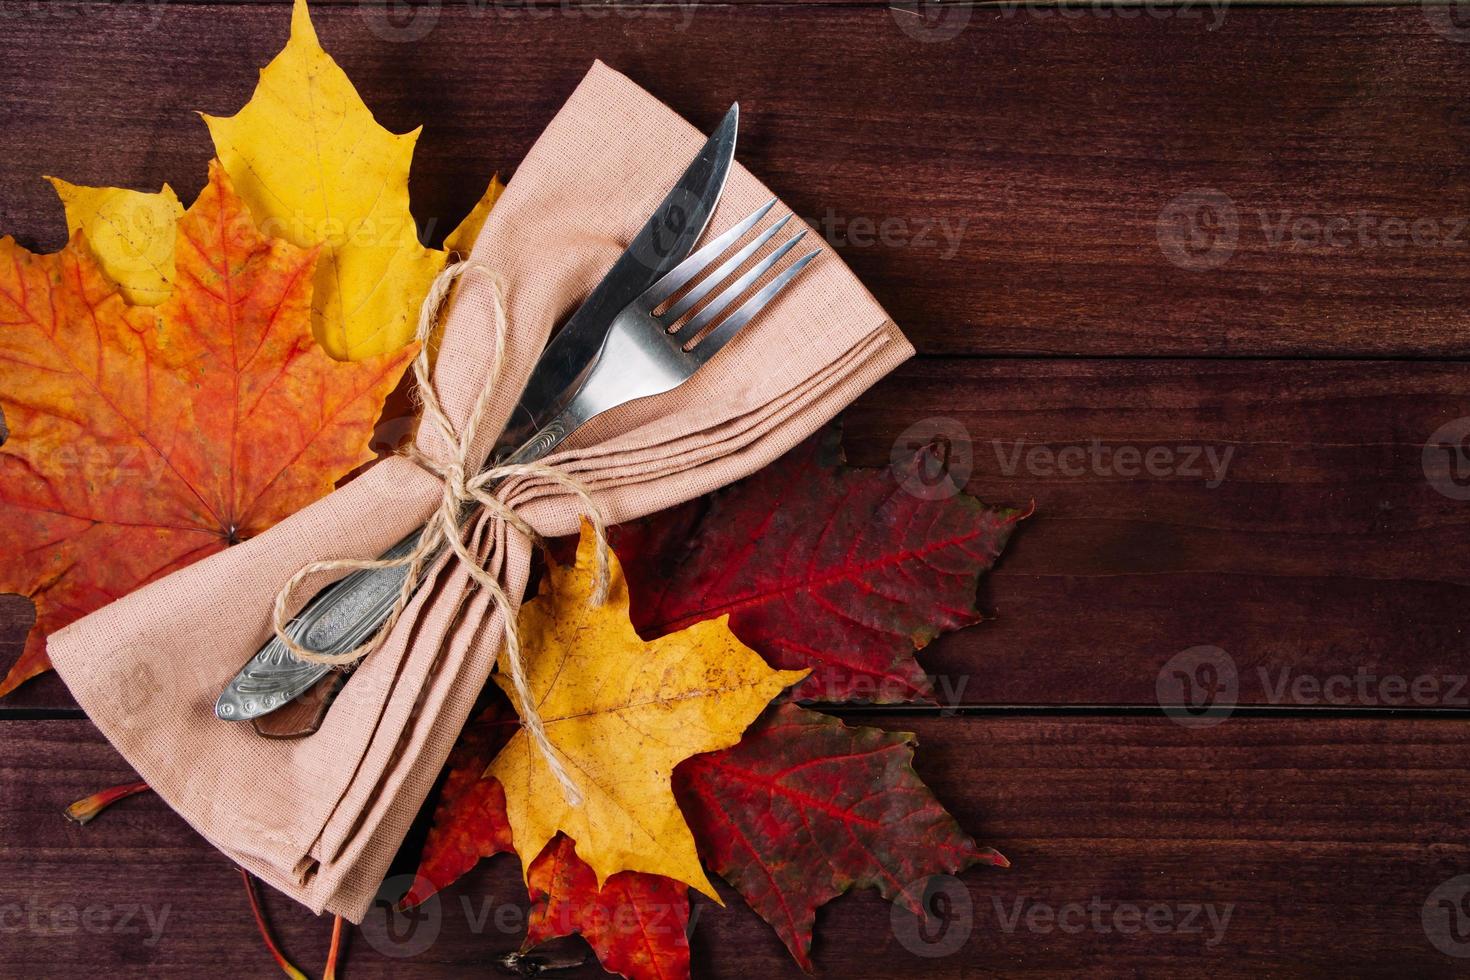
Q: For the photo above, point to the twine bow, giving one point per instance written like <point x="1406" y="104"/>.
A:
<point x="465" y="485"/>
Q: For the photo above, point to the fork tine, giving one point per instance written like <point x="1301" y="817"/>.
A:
<point x="720" y="336"/>
<point x="723" y="301"/>
<point x="700" y="291"/>
<point x="679" y="275"/>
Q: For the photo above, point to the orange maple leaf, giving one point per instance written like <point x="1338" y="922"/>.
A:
<point x="145" y="438"/>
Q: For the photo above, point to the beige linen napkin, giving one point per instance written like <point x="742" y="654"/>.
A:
<point x="321" y="817"/>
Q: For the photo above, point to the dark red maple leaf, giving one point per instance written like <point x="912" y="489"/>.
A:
<point x="819" y="565"/>
<point x="636" y="923"/>
<point x="805" y="808"/>
<point x="469" y="820"/>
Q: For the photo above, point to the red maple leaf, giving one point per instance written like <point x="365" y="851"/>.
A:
<point x="805" y="808"/>
<point x="469" y="819"/>
<point x="843" y="570"/>
<point x="636" y="923"/>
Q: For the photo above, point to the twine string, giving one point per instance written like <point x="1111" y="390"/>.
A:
<point x="466" y="489"/>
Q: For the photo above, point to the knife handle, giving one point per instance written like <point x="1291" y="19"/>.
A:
<point x="344" y="614"/>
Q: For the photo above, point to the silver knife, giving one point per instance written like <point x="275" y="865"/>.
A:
<point x="345" y="613"/>
<point x="663" y="242"/>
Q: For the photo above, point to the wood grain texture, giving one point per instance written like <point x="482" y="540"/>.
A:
<point x="1048" y="147"/>
<point x="1317" y="837"/>
<point x="1280" y="511"/>
<point x="1095" y="187"/>
<point x="1277" y="510"/>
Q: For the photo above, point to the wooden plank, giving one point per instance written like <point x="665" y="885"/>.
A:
<point x="1320" y="840"/>
<point x="1277" y="511"/>
<point x="1289" y="522"/>
<point x="1001" y="191"/>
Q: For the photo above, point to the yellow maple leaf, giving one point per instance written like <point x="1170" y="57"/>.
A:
<point x="462" y="239"/>
<point x="621" y="713"/>
<point x="315" y="167"/>
<point x="131" y="234"/>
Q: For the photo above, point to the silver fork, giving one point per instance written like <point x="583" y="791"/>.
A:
<point x="647" y="351"/>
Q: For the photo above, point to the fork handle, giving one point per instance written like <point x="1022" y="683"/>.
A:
<point x="344" y="614"/>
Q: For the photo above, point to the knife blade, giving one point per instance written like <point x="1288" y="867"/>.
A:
<point x="663" y="242"/>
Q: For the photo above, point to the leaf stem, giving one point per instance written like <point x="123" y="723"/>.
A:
<point x="265" y="932"/>
<point x="331" y="971"/>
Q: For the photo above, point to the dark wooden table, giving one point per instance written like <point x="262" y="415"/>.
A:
<point x="1127" y="243"/>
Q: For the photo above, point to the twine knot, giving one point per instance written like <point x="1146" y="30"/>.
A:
<point x="463" y="496"/>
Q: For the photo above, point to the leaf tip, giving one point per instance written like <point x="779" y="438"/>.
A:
<point x="302" y="28"/>
<point x="33" y="662"/>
